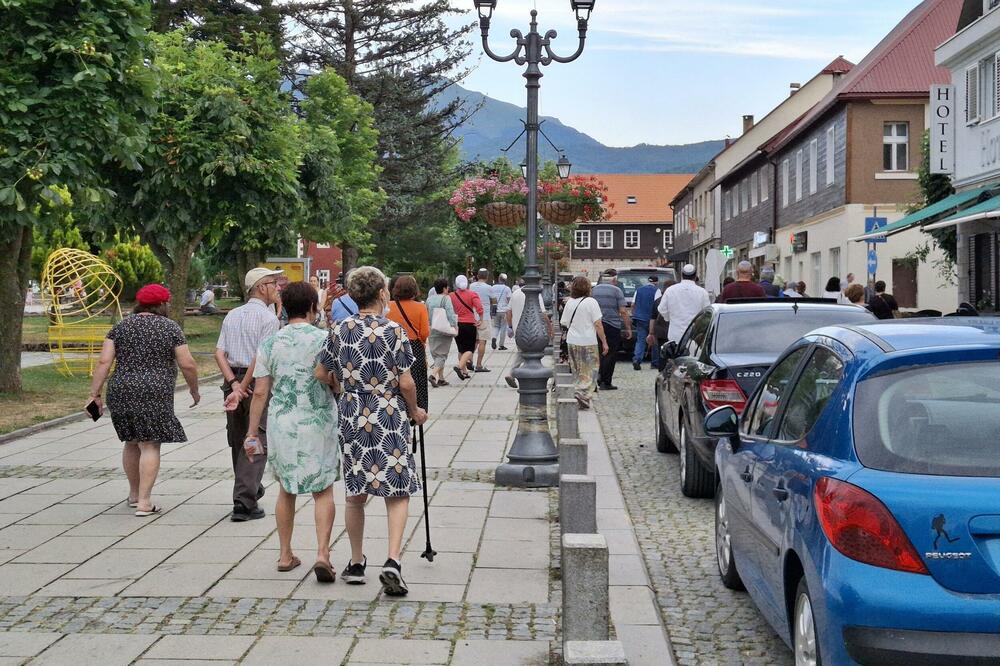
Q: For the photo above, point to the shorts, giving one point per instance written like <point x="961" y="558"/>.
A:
<point x="466" y="338"/>
<point x="484" y="330"/>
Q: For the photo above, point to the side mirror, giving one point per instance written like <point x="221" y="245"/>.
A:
<point x="669" y="350"/>
<point x="723" y="423"/>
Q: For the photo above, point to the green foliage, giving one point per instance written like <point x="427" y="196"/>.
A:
<point x="55" y="229"/>
<point x="934" y="188"/>
<point x="135" y="264"/>
<point x="221" y="20"/>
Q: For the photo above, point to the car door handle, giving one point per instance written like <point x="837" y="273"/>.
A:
<point x="746" y="475"/>
<point x="781" y="493"/>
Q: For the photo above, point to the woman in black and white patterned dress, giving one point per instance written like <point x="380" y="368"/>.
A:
<point x="371" y="357"/>
<point x="147" y="348"/>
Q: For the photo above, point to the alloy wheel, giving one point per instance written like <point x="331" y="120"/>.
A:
<point x="805" y="632"/>
<point x="723" y="542"/>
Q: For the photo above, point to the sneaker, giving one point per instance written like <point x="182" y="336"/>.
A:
<point x="354" y="573"/>
<point x="511" y="382"/>
<point x="391" y="578"/>
<point x="637" y="366"/>
<point x="482" y="368"/>
<point x="241" y="514"/>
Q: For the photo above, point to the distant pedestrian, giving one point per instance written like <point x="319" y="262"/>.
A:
<point x="439" y="342"/>
<point x="682" y="302"/>
<point x="833" y="291"/>
<point x="369" y="358"/>
<point x="206" y="304"/>
<point x="302" y="449"/>
<point x="642" y="315"/>
<point x="802" y="289"/>
<point x="501" y="296"/>
<point x="406" y="311"/>
<point x="342" y="306"/>
<point x="321" y="295"/>
<point x="878" y="307"/>
<point x="582" y="320"/>
<point x="146" y="349"/>
<point x="484" y="322"/>
<point x="889" y="299"/>
<point x="243" y="330"/>
<point x="517" y="301"/>
<point x="616" y="322"/>
<point x="469" y="310"/>
<point x="743" y="286"/>
<point x="792" y="290"/>
<point x="766" y="283"/>
<point x="855" y="295"/>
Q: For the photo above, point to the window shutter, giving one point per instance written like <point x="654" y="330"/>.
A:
<point x="996" y="84"/>
<point x="972" y="94"/>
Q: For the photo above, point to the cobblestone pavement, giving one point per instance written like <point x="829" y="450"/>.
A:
<point x="707" y="623"/>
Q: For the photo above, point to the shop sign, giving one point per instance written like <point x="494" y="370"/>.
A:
<point x="800" y="241"/>
<point x="943" y="129"/>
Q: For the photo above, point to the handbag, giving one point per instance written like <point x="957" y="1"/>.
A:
<point x="440" y="323"/>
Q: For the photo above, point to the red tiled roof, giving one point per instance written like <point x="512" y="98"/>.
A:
<point x="900" y="66"/>
<point x="653" y="193"/>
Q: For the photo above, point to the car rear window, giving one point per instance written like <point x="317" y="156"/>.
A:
<point x="771" y="331"/>
<point x="940" y="419"/>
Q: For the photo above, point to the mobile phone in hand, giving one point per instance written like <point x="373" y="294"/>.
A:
<point x="93" y="410"/>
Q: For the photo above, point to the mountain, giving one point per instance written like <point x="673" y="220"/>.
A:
<point x="496" y="124"/>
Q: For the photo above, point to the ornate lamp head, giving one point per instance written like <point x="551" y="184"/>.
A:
<point x="564" y="166"/>
<point x="581" y="7"/>
<point x="486" y="7"/>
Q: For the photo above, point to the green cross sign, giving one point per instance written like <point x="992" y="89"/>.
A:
<point x="727" y="252"/>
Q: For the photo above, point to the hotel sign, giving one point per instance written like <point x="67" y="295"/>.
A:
<point x="943" y="129"/>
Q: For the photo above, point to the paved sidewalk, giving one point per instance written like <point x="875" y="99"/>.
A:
<point x="83" y="580"/>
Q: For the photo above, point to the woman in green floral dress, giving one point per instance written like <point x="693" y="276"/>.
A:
<point x="302" y="450"/>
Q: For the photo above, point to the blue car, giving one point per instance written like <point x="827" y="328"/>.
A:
<point x="858" y="496"/>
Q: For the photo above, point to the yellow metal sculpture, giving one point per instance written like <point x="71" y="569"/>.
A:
<point x="81" y="294"/>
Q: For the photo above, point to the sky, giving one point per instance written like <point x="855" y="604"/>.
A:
<point x="678" y="71"/>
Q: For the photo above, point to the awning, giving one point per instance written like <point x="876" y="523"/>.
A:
<point x="989" y="209"/>
<point x="946" y="205"/>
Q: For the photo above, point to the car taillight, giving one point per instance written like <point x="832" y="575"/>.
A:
<point x="862" y="528"/>
<point x="722" y="392"/>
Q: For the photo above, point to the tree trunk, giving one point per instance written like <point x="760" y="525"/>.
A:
<point x="349" y="258"/>
<point x="15" y="266"/>
<point x="177" y="277"/>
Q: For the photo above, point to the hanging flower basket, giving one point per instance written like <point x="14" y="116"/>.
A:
<point x="555" y="249"/>
<point x="501" y="214"/>
<point x="560" y="212"/>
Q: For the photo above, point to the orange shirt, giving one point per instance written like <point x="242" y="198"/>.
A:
<point x="417" y="314"/>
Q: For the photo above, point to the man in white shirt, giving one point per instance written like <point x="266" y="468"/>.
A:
<point x="513" y="316"/>
<point x="680" y="304"/>
<point x="501" y="294"/>
<point x="484" y="327"/>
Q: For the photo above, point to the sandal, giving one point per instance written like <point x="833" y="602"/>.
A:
<point x="152" y="512"/>
<point x="483" y="368"/>
<point x="324" y="572"/>
<point x="461" y="375"/>
<point x="293" y="564"/>
<point x="132" y="503"/>
<point x="443" y="382"/>
<point x="433" y="380"/>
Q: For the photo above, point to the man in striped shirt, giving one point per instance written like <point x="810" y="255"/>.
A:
<point x="243" y="329"/>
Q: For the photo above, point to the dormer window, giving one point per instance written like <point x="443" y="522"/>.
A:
<point x="634" y="200"/>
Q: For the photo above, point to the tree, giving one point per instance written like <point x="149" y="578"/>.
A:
<point x="222" y="153"/>
<point x="221" y="20"/>
<point x="55" y="228"/>
<point x="74" y="95"/>
<point x="398" y="55"/>
<point x="933" y="188"/>
<point x="134" y="263"/>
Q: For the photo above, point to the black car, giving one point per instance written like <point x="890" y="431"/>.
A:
<point x="719" y="361"/>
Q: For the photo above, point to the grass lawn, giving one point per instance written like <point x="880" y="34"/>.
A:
<point x="48" y="395"/>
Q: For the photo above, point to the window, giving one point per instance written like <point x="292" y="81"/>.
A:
<point x="605" y="239"/>
<point x="323" y="276"/>
<point x="322" y="246"/>
<point x="972" y="94"/>
<point x="744" y="197"/>
<point x="831" y="148"/>
<point x="816" y="260"/>
<point x="631" y="239"/>
<point x="754" y="186"/>
<point x="788" y="268"/>
<point x="764" y="176"/>
<point x="807" y="400"/>
<point x="668" y="239"/>
<point x="734" y="205"/>
<point x="813" y="165"/>
<point x="694" y="337"/>
<point x="758" y="420"/>
<point x="784" y="184"/>
<point x="988" y="88"/>
<point x="835" y="261"/>
<point x="798" y="176"/>
<point x="631" y="200"/>
<point x="581" y="239"/>
<point x="725" y="205"/>
<point x="895" y="146"/>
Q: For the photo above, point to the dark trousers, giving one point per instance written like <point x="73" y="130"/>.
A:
<point x="607" y="367"/>
<point x="247" y="487"/>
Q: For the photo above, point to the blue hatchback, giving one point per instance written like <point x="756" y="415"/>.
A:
<point x="858" y="495"/>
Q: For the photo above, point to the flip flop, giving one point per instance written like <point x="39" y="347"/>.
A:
<point x="132" y="503"/>
<point x="433" y="380"/>
<point x="142" y="514"/>
<point x="294" y="564"/>
<point x="443" y="382"/>
<point x="324" y="572"/>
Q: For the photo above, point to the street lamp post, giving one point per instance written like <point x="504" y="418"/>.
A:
<point x="533" y="460"/>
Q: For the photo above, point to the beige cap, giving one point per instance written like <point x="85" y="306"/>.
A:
<point x="255" y="275"/>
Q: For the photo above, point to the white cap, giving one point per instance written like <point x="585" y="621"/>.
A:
<point x="461" y="282"/>
<point x="255" y="275"/>
<point x="503" y="276"/>
<point x="688" y="269"/>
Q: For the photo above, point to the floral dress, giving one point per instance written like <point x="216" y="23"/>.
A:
<point x="368" y="354"/>
<point x="302" y="446"/>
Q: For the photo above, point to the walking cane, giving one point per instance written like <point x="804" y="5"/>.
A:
<point x="429" y="552"/>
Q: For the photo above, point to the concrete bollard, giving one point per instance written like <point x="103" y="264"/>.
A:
<point x="568" y="418"/>
<point x="562" y="369"/>
<point x="594" y="653"/>
<point x="565" y="391"/>
<point x="577" y="504"/>
<point x="572" y="456"/>
<point x="584" y="588"/>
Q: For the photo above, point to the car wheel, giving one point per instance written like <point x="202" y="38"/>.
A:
<point x="696" y="481"/>
<point x="724" y="544"/>
<point x="805" y="640"/>
<point x="663" y="443"/>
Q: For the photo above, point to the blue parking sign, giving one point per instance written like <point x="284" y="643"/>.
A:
<point x="872" y="225"/>
<point x="872" y="262"/>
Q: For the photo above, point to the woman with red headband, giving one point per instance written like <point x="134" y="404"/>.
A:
<point x="148" y="348"/>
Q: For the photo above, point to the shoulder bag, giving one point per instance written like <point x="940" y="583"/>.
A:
<point x="440" y="323"/>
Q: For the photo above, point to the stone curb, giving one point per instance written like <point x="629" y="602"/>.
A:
<point x="72" y="418"/>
